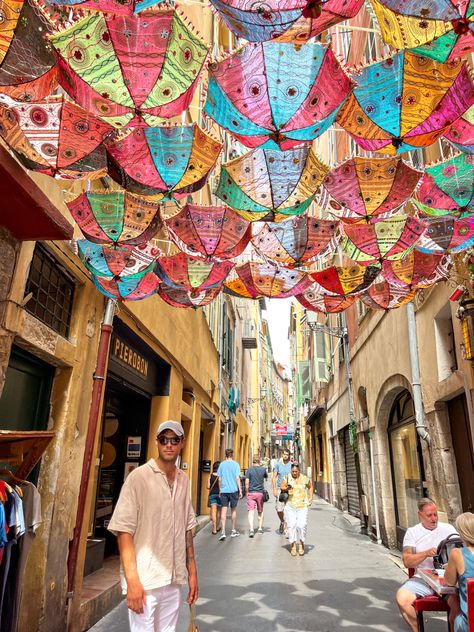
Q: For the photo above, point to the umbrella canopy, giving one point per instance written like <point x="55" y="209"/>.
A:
<point x="117" y="7"/>
<point x="370" y="187"/>
<point x="212" y="232"/>
<point x="461" y="133"/>
<point x="56" y="137"/>
<point x="270" y="184"/>
<point x="257" y="279"/>
<point x="168" y="161"/>
<point x="390" y="239"/>
<point x="134" y="288"/>
<point x="447" y="187"/>
<point x="382" y="295"/>
<point x="447" y="234"/>
<point x="417" y="269"/>
<point x="183" y="298"/>
<point x="315" y="301"/>
<point x="406" y="102"/>
<point x="26" y="63"/>
<point x="277" y="94"/>
<point x="443" y="31"/>
<point x="115" y="262"/>
<point x="297" y="241"/>
<point x="115" y="217"/>
<point x="344" y="280"/>
<point x="191" y="273"/>
<point x="294" y="20"/>
<point x="149" y="65"/>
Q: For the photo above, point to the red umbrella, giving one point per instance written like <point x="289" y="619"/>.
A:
<point x="265" y="279"/>
<point x="417" y="269"/>
<point x="185" y="298"/>
<point x="382" y="295"/>
<point x="191" y="273"/>
<point x="313" y="300"/>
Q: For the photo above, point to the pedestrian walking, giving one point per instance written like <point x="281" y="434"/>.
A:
<point x="255" y="486"/>
<point x="300" y="497"/>
<point x="154" y="521"/>
<point x="461" y="568"/>
<point x="281" y="469"/>
<point x="214" y="500"/>
<point x="231" y="490"/>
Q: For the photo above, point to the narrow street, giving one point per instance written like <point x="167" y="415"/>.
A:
<point x="344" y="582"/>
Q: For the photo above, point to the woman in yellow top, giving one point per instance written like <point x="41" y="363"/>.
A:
<point x="300" y="497"/>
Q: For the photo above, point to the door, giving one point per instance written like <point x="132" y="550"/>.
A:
<point x="462" y="444"/>
<point x="351" y="477"/>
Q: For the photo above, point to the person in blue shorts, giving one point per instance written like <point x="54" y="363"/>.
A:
<point x="214" y="498"/>
<point x="230" y="491"/>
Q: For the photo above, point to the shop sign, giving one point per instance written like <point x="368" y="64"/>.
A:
<point x="123" y="352"/>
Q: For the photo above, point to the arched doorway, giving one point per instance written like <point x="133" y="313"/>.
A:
<point x="406" y="463"/>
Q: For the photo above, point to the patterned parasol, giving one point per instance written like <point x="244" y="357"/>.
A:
<point x="345" y="280"/>
<point x="370" y="187"/>
<point x="117" y="7"/>
<point x="297" y="241"/>
<point x="382" y="295"/>
<point x="295" y="20"/>
<point x="183" y="298"/>
<point x="315" y="301"/>
<point x="406" y="102"/>
<point x="56" y="137"/>
<point x="447" y="187"/>
<point x="114" y="262"/>
<point x="266" y="184"/>
<point x="128" y="288"/>
<point x="115" y="217"/>
<point x="461" y="133"/>
<point x="257" y="279"/>
<point x="191" y="273"/>
<point x="390" y="239"/>
<point x="168" y="161"/>
<point x="212" y="232"/>
<point x="130" y="69"/>
<point x="441" y="29"/>
<point x="417" y="269"/>
<point x="447" y="234"/>
<point x="277" y="94"/>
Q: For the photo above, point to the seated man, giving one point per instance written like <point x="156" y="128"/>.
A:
<point x="419" y="545"/>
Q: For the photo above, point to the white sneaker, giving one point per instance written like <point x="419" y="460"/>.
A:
<point x="234" y="534"/>
<point x="251" y="533"/>
<point x="223" y="537"/>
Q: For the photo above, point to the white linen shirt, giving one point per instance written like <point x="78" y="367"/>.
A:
<point x="157" y="518"/>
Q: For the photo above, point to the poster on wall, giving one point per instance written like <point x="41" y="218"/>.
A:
<point x="134" y="447"/>
<point x="129" y="467"/>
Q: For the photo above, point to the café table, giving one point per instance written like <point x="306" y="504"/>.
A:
<point x="436" y="582"/>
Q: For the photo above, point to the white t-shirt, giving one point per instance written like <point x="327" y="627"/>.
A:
<point x="422" y="539"/>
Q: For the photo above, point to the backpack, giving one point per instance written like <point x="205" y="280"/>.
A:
<point x="453" y="541"/>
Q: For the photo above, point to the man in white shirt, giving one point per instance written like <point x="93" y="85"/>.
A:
<point x="419" y="545"/>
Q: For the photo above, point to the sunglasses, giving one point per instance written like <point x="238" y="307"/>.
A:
<point x="172" y="440"/>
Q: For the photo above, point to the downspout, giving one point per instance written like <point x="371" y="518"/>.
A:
<point x="374" y="489"/>
<point x="97" y="388"/>
<point x="415" y="375"/>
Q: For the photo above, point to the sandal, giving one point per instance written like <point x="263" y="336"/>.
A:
<point x="301" y="549"/>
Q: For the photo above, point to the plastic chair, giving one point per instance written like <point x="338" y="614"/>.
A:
<point x="433" y="603"/>
<point x="470" y="603"/>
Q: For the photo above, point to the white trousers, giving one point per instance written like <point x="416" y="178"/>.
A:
<point x="161" y="611"/>
<point x="296" y="519"/>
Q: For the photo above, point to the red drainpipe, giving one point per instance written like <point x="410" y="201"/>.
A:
<point x="98" y="387"/>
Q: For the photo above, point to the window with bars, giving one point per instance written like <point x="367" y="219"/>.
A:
<point x="53" y="292"/>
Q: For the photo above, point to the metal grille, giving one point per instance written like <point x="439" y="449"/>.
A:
<point x="53" y="292"/>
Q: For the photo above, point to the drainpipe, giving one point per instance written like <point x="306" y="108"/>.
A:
<point x="374" y="489"/>
<point x="415" y="375"/>
<point x="97" y="388"/>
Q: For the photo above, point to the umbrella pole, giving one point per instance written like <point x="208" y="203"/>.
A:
<point x="98" y="386"/>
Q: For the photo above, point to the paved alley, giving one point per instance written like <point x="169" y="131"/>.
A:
<point x="344" y="582"/>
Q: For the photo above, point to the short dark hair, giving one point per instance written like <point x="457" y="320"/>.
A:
<point x="229" y="452"/>
<point x="215" y="466"/>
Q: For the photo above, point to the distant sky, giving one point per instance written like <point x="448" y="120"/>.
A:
<point x="278" y="316"/>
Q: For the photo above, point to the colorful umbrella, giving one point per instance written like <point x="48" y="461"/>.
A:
<point x="183" y="298"/>
<point x="270" y="184"/>
<point x="117" y="7"/>
<point x="297" y="20"/>
<point x="313" y="300"/>
<point x="56" y="137"/>
<point x="390" y="239"/>
<point x="277" y="94"/>
<point x="461" y="133"/>
<point x="447" y="234"/>
<point x="447" y="187"/>
<point x="212" y="232"/>
<point x="26" y="63"/>
<point x="343" y="281"/>
<point x="441" y="30"/>
<point x="115" y="217"/>
<point x="130" y="69"/>
<point x="191" y="273"/>
<point x="406" y="102"/>
<point x="370" y="187"/>
<point x="115" y="262"/>
<point x="382" y="295"/>
<point x="297" y="241"/>
<point x="128" y="288"/>
<point x="257" y="279"/>
<point x="417" y="269"/>
<point x="170" y="161"/>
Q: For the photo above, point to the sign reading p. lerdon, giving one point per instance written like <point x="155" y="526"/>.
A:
<point x="129" y="356"/>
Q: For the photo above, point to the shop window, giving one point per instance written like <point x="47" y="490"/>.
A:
<point x="52" y="292"/>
